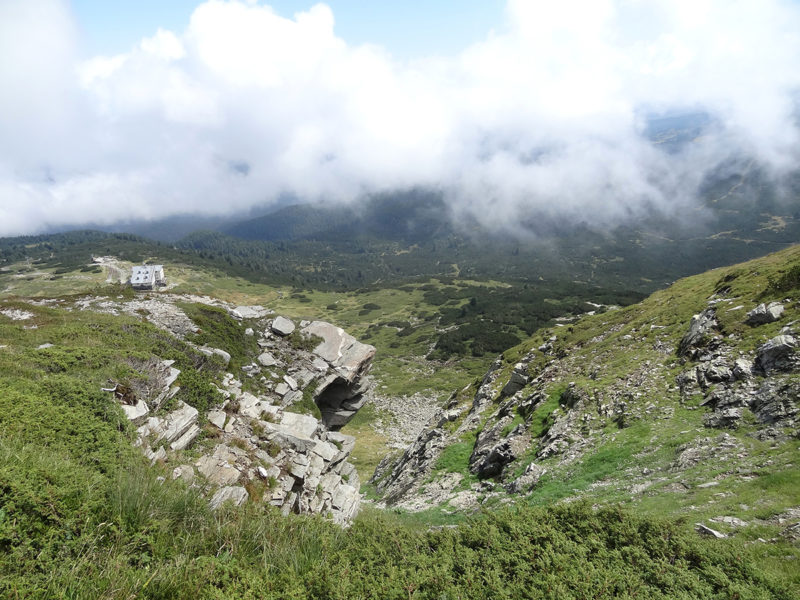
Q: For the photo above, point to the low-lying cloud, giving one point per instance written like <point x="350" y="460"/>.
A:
<point x="547" y="114"/>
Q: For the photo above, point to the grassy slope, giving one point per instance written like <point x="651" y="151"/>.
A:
<point x="81" y="516"/>
<point x="756" y="481"/>
<point x="399" y="368"/>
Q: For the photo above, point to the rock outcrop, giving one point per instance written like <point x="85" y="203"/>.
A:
<point x="764" y="313"/>
<point x="261" y="452"/>
<point x="702" y="326"/>
<point x="341" y="393"/>
<point x="530" y="418"/>
<point x="257" y="446"/>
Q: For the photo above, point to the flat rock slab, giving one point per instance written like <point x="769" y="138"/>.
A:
<point x="252" y="312"/>
<point x="702" y="529"/>
<point x="282" y="326"/>
<point x="217" y="418"/>
<point x="267" y="360"/>
<point x="252" y="406"/>
<point x="171" y="427"/>
<point x="302" y="426"/>
<point x="217" y="468"/>
<point x="136" y="412"/>
<point x="186" y="439"/>
<point x="208" y="351"/>
<point x="235" y="494"/>
<point x="184" y="472"/>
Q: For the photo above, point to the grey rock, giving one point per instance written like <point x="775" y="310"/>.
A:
<point x="529" y="478"/>
<point x="792" y="532"/>
<point x="217" y="468"/>
<point x="184" y="473"/>
<point x="325" y="450"/>
<point x="344" y="444"/>
<point x="517" y="381"/>
<point x="298" y="466"/>
<point x="208" y="351"/>
<point x="700" y="528"/>
<point x="764" y="313"/>
<point x="252" y="406"/>
<point x="700" y="327"/>
<point x="350" y="360"/>
<point x="171" y="427"/>
<point x="249" y="331"/>
<point x="303" y="377"/>
<point x="137" y="412"/>
<point x="714" y="371"/>
<point x="159" y="454"/>
<point x="778" y="354"/>
<point x="267" y="360"/>
<point x="282" y="326"/>
<point x="235" y="494"/>
<point x="338" y="399"/>
<point x="733" y="521"/>
<point x="341" y="350"/>
<point x="16" y="314"/>
<point x="302" y="426"/>
<point x="742" y="368"/>
<point x="217" y="418"/>
<point x="252" y="312"/>
<point x="282" y="388"/>
<point x="292" y="397"/>
<point x="776" y="401"/>
<point x="186" y="439"/>
<point x="289" y="442"/>
<point x="724" y="418"/>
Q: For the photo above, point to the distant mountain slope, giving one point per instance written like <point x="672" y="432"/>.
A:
<point x="742" y="213"/>
<point x="407" y="216"/>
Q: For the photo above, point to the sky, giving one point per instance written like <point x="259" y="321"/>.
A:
<point x="406" y="29"/>
<point x="140" y="110"/>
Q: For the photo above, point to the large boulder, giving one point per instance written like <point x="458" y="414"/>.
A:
<point x="764" y="313"/>
<point x="282" y="326"/>
<point x="778" y="354"/>
<point x="776" y="401"/>
<point x="517" y="381"/>
<point x="700" y="328"/>
<point x="341" y="394"/>
<point x="349" y="357"/>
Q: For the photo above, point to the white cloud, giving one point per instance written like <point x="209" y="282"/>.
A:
<point x="245" y="104"/>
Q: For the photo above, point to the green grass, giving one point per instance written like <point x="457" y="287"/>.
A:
<point x="219" y="330"/>
<point x="455" y="458"/>
<point x="370" y="446"/>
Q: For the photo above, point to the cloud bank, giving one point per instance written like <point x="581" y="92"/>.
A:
<point x="546" y="115"/>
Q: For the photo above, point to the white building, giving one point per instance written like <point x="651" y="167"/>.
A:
<point x="147" y="277"/>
